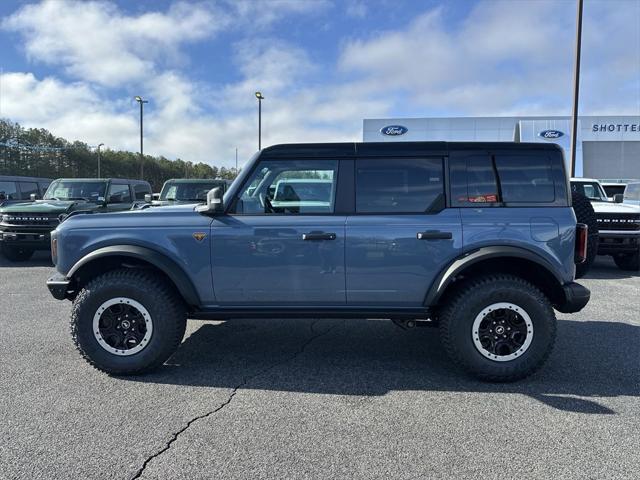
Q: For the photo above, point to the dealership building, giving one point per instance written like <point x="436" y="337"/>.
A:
<point x="608" y="147"/>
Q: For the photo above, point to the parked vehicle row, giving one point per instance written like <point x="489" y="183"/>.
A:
<point x="366" y="230"/>
<point x="25" y="226"/>
<point x="17" y="188"/>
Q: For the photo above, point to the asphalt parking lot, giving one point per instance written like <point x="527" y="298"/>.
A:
<point x="317" y="399"/>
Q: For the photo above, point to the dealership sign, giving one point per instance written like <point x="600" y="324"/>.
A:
<point x="551" y="134"/>
<point x="394" y="130"/>
<point x="615" y="127"/>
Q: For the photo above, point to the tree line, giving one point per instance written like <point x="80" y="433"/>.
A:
<point x="36" y="152"/>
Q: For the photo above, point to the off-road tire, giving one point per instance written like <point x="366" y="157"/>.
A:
<point x="628" y="261"/>
<point x="585" y="214"/>
<point x="17" y="253"/>
<point x="153" y="292"/>
<point x="457" y="317"/>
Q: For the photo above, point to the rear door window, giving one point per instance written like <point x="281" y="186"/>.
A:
<point x="525" y="178"/>
<point x="399" y="185"/>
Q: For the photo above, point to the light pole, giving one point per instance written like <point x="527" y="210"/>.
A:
<point x="260" y="97"/>
<point x="99" y="158"/>
<point x="141" y="101"/>
<point x="576" y="89"/>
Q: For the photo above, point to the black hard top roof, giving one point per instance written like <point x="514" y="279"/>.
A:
<point x="195" y="180"/>
<point x="372" y="149"/>
<point x="123" y="180"/>
<point x="18" y="178"/>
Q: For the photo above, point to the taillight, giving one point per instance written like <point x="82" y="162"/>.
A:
<point x="582" y="236"/>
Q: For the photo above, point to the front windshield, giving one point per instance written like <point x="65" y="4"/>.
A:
<point x="72" y="190"/>
<point x="188" y="192"/>
<point x="591" y="190"/>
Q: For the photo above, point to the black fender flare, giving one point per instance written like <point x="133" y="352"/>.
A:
<point x="163" y="263"/>
<point x="461" y="263"/>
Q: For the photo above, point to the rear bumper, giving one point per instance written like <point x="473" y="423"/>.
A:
<point x="59" y="285"/>
<point x="576" y="297"/>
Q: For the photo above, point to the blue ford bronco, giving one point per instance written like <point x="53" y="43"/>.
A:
<point x="479" y="239"/>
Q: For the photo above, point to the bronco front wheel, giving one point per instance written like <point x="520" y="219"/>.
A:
<point x="127" y="321"/>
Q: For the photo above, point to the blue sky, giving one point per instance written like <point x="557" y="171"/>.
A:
<point x="322" y="65"/>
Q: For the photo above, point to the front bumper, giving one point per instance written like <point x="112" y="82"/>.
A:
<point x="59" y="286"/>
<point x="38" y="240"/>
<point x="576" y="297"/>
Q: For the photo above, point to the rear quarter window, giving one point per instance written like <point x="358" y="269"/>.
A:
<point x="525" y="178"/>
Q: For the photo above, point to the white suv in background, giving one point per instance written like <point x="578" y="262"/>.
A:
<point x="618" y="224"/>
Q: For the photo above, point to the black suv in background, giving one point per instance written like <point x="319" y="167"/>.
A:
<point x="25" y="226"/>
<point x="17" y="188"/>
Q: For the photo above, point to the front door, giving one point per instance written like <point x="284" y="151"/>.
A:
<point x="281" y="244"/>
<point x="401" y="235"/>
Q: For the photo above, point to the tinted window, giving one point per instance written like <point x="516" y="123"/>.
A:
<point x="525" y="178"/>
<point x="44" y="186"/>
<point x="27" y="188"/>
<point x="140" y="189"/>
<point x="8" y="191"/>
<point x="402" y="185"/>
<point x="481" y="180"/>
<point x="612" y="190"/>
<point x="119" y="194"/>
<point x="290" y="187"/>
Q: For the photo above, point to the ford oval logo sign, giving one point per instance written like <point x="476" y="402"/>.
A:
<point x="393" y="130"/>
<point x="550" y="134"/>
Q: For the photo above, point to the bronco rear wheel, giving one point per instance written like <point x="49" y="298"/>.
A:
<point x="499" y="328"/>
<point x="127" y="321"/>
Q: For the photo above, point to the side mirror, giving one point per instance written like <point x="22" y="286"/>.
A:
<point x="148" y="197"/>
<point x="618" y="198"/>
<point x="214" y="205"/>
<point x="33" y="197"/>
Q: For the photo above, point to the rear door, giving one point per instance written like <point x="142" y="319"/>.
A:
<point x="401" y="234"/>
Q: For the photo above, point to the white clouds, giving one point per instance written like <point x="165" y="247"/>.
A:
<point x="73" y="110"/>
<point x="499" y="58"/>
<point x="504" y="57"/>
<point x="98" y="43"/>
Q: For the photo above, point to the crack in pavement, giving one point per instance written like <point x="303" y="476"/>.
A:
<point x="244" y="382"/>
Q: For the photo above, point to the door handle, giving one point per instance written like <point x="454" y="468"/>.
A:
<point x="318" y="236"/>
<point x="434" y="235"/>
